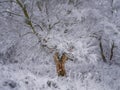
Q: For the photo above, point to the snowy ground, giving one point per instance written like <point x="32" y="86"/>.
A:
<point x="26" y="64"/>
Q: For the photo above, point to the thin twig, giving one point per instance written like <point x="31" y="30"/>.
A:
<point x="54" y="25"/>
<point x="26" y="34"/>
<point x="39" y="6"/>
<point x="102" y="52"/>
<point x="38" y="26"/>
<point x="5" y="1"/>
<point x="29" y="22"/>
<point x="111" y="53"/>
<point x="12" y="13"/>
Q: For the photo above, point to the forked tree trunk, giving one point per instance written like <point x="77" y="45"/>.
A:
<point x="60" y="64"/>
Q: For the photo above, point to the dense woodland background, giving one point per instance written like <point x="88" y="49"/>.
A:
<point x="31" y="31"/>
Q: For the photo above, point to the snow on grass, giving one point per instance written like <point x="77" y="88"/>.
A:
<point x="27" y="65"/>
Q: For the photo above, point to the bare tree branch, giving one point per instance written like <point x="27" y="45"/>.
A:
<point x="28" y="21"/>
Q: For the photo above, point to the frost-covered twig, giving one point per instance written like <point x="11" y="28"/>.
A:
<point x="6" y="1"/>
<point x="51" y="26"/>
<point x="11" y="13"/>
<point x="26" y="34"/>
<point x="111" y="53"/>
<point x="32" y="9"/>
<point x="46" y="8"/>
<point x="39" y="5"/>
<point x="28" y="21"/>
<point x="35" y="25"/>
<point x="112" y="11"/>
<point x="102" y="52"/>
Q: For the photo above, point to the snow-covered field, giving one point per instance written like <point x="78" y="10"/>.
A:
<point x="71" y="26"/>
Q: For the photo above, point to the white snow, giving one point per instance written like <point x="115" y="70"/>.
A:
<point x="26" y="63"/>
